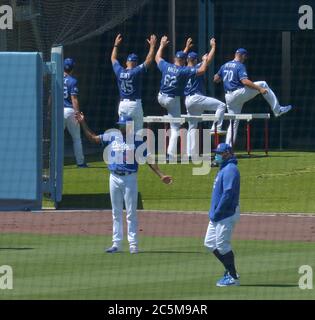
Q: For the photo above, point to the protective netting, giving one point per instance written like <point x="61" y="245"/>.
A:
<point x="38" y="24"/>
<point x="269" y="247"/>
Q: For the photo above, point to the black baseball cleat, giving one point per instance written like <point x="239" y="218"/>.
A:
<point x="82" y="166"/>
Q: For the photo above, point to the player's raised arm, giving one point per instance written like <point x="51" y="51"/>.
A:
<point x="87" y="131"/>
<point x="203" y="68"/>
<point x="163" y="43"/>
<point x="150" y="57"/>
<point x="189" y="45"/>
<point x="117" y="43"/>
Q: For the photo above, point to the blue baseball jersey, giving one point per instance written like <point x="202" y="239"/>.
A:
<point x="174" y="78"/>
<point x="70" y="88"/>
<point x="195" y="84"/>
<point x="226" y="191"/>
<point x="232" y="73"/>
<point x="121" y="156"/>
<point x="129" y="81"/>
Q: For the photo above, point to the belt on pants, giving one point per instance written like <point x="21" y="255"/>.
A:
<point x="167" y="95"/>
<point x="122" y="173"/>
<point x="231" y="91"/>
<point x="130" y="99"/>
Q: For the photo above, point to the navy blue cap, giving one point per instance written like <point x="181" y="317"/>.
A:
<point x="68" y="63"/>
<point x="132" y="57"/>
<point x="181" y="55"/>
<point x="242" y="51"/>
<point x="123" y="119"/>
<point x="223" y="147"/>
<point x="192" y="55"/>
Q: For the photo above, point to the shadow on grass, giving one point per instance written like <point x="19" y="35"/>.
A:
<point x="171" y="252"/>
<point x="271" y="285"/>
<point x="17" y="249"/>
<point x="257" y="156"/>
<point x="90" y="201"/>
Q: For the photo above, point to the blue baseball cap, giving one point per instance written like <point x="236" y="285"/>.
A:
<point x="181" y="55"/>
<point x="68" y="63"/>
<point x="132" y="57"/>
<point x="223" y="147"/>
<point x="192" y="55"/>
<point x="123" y="119"/>
<point x="242" y="51"/>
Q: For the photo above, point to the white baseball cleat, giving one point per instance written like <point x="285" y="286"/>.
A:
<point x="284" y="110"/>
<point x="133" y="249"/>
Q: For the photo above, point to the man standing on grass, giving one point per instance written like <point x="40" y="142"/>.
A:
<point x="224" y="213"/>
<point x="124" y="157"/>
<point x="71" y="107"/>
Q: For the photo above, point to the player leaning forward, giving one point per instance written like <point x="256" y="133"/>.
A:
<point x="239" y="89"/>
<point x="124" y="156"/>
<point x="129" y="81"/>
<point x="224" y="213"/>
<point x="175" y="77"/>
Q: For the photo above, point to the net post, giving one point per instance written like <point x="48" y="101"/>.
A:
<point x="57" y="130"/>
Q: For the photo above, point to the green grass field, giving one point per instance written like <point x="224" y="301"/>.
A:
<point x="282" y="182"/>
<point x="75" y="267"/>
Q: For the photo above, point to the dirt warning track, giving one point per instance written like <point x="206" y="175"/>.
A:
<point x="158" y="224"/>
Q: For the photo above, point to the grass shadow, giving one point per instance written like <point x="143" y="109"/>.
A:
<point x="17" y="249"/>
<point x="171" y="252"/>
<point x="90" y="201"/>
<point x="270" y="285"/>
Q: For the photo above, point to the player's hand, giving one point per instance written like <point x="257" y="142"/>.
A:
<point x="79" y="116"/>
<point x="189" y="43"/>
<point x="212" y="43"/>
<point x="118" y="40"/>
<point x="164" y="41"/>
<point x="152" y="40"/>
<point x="263" y="91"/>
<point x="167" y="179"/>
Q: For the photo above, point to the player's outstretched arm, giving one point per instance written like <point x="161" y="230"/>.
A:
<point x="203" y="68"/>
<point x="150" y="57"/>
<point x="163" y="43"/>
<point x="164" y="178"/>
<point x="117" y="43"/>
<point x="251" y="84"/>
<point x="87" y="131"/>
<point x="189" y="45"/>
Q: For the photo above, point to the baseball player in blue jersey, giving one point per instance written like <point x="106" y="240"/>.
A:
<point x="71" y="107"/>
<point x="174" y="80"/>
<point x="129" y="81"/>
<point x="197" y="103"/>
<point x="239" y="89"/>
<point x="123" y="185"/>
<point x="224" y="213"/>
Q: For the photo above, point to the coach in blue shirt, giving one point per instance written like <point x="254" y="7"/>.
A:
<point x="224" y="213"/>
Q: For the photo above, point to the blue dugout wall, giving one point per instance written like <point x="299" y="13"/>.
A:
<point x="21" y="129"/>
<point x="21" y="76"/>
